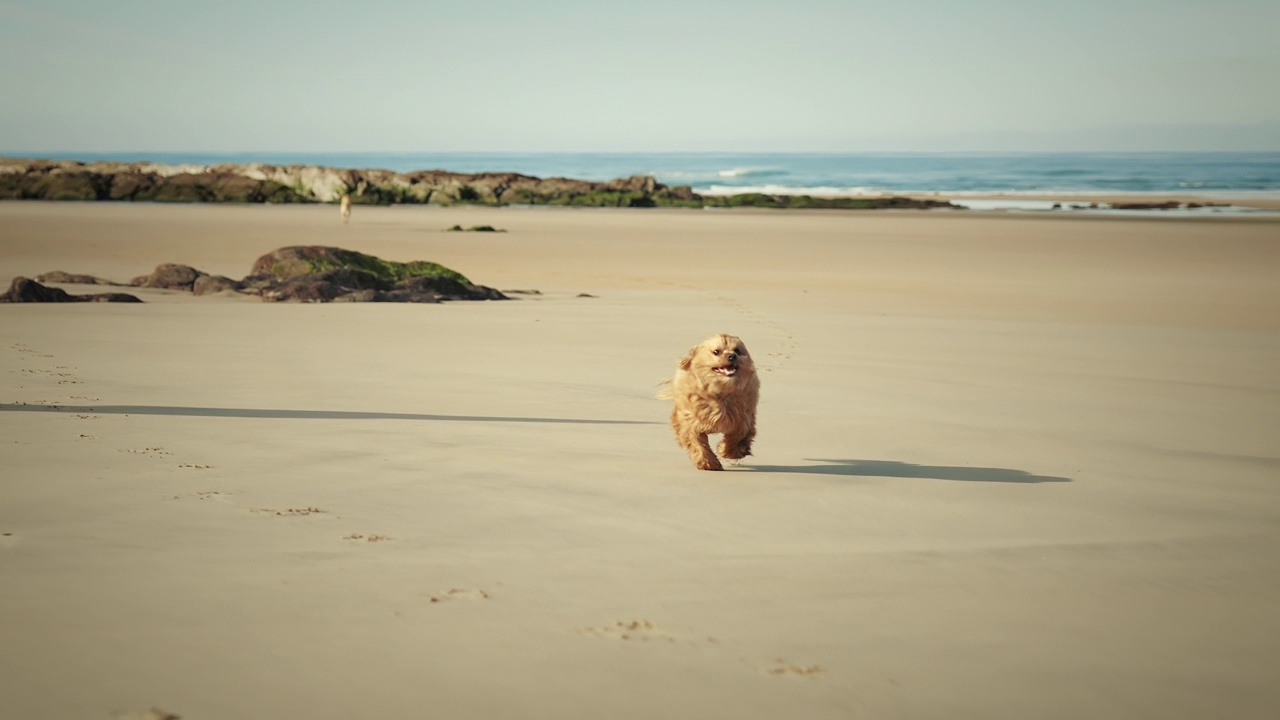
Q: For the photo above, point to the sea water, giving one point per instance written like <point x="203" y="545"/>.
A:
<point x="1204" y="174"/>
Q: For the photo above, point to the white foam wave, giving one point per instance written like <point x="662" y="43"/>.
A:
<point x="749" y="172"/>
<point x="818" y="191"/>
<point x="1031" y="195"/>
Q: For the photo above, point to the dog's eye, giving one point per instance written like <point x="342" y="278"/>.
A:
<point x="740" y="350"/>
<point x="716" y="351"/>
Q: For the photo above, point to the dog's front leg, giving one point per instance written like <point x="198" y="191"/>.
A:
<point x="700" y="453"/>
<point x="695" y="443"/>
<point x="737" y="445"/>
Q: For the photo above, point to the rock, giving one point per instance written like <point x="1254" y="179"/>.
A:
<point x="133" y="185"/>
<point x="210" y="284"/>
<point x="314" y="273"/>
<point x="440" y="288"/>
<point x="58" y="276"/>
<point x="169" y="276"/>
<point x="263" y="183"/>
<point x="358" y="296"/>
<point x="298" y="260"/>
<point x="26" y="290"/>
<point x="1169" y="205"/>
<point x="325" y="286"/>
<point x="110" y="297"/>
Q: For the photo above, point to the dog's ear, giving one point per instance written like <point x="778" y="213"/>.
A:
<point x="687" y="360"/>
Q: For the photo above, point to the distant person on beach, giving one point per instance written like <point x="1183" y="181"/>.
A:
<point x="345" y="204"/>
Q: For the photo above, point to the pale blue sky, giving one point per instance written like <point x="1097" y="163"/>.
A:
<point x="696" y="75"/>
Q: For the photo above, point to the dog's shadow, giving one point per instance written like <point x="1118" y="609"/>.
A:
<point x="895" y="469"/>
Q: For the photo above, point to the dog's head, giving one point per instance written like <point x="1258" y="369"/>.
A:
<point x="719" y="359"/>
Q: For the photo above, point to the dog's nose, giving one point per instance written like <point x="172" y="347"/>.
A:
<point x="733" y="357"/>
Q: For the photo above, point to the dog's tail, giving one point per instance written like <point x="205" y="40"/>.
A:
<point x="664" y="390"/>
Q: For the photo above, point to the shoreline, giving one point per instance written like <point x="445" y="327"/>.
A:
<point x="256" y="182"/>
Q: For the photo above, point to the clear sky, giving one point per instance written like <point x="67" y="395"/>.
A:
<point x="647" y="75"/>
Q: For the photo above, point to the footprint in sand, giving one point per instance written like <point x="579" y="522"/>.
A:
<point x="8" y="539"/>
<point x="459" y="594"/>
<point x="630" y="630"/>
<point x="782" y="668"/>
<point x="193" y="466"/>
<point x="150" y="451"/>
<point x="203" y="495"/>
<point x="28" y="351"/>
<point x="357" y="537"/>
<point x="644" y="631"/>
<point x="288" y="512"/>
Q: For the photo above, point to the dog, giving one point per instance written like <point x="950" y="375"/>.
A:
<point x="345" y="205"/>
<point x="715" y="390"/>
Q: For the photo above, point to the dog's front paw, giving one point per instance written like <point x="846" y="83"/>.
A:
<point x="736" y="451"/>
<point x="710" y="463"/>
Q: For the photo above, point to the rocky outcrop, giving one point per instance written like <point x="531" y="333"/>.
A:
<point x="169" y="276"/>
<point x="26" y="290"/>
<point x="314" y="273"/>
<point x="25" y="179"/>
<point x="66" y="180"/>
<point x="304" y="273"/>
<point x="210" y="284"/>
<point x="58" y="276"/>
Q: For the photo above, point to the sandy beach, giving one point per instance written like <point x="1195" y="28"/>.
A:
<point x="1008" y="466"/>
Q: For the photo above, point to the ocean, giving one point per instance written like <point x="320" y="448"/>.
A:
<point x="1207" y="174"/>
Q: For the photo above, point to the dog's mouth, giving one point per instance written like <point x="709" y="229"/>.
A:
<point x="727" y="370"/>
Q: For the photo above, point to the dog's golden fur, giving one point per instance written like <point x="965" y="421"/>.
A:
<point x="345" y="206"/>
<point x="715" y="390"/>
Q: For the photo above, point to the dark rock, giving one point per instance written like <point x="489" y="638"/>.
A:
<point x="169" y="276"/>
<point x="58" y="276"/>
<point x="298" y="260"/>
<point x="70" y="186"/>
<point x="110" y="297"/>
<point x="358" y="296"/>
<point x="210" y="284"/>
<point x="441" y="288"/>
<point x="26" y="290"/>
<point x="1169" y="205"/>
<point x="133" y="186"/>
<point x="329" y="274"/>
<point x="325" y="286"/>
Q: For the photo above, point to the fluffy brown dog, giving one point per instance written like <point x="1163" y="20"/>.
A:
<point x="715" y="389"/>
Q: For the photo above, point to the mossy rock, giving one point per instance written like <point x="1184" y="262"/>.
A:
<point x="69" y="186"/>
<point x="299" y="260"/>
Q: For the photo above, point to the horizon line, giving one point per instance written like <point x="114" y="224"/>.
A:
<point x="35" y="153"/>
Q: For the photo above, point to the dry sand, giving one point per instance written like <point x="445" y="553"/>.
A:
<point x="1008" y="467"/>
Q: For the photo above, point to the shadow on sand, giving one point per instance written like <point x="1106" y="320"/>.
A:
<point x="298" y="414"/>
<point x="892" y="468"/>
